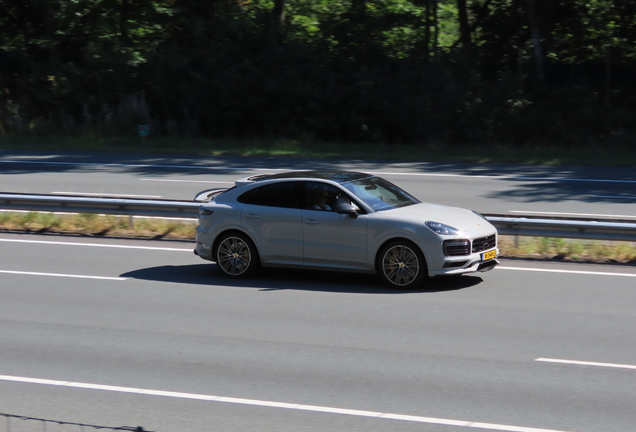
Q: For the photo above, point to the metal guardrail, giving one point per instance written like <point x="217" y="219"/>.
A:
<point x="101" y="205"/>
<point x="516" y="226"/>
<point x="561" y="228"/>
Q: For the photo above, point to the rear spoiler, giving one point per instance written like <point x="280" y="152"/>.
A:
<point x="208" y="195"/>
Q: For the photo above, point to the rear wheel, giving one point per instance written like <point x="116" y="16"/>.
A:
<point x="236" y="255"/>
<point x="401" y="264"/>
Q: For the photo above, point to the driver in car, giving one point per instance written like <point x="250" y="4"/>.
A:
<point x="320" y="200"/>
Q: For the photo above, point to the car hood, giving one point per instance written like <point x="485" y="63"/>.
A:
<point x="462" y="219"/>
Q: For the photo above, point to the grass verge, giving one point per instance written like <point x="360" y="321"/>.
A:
<point x="567" y="249"/>
<point x="152" y="228"/>
<point x="97" y="225"/>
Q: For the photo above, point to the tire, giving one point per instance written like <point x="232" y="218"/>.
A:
<point x="236" y="255"/>
<point x="401" y="264"/>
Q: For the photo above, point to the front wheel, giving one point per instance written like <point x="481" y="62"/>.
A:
<point x="236" y="255"/>
<point x="401" y="264"/>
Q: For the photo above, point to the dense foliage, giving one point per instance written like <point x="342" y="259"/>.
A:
<point x="390" y="71"/>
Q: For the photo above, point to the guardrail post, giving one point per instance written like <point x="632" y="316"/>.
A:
<point x="131" y="222"/>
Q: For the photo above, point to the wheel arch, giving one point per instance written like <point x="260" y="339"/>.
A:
<point x="215" y="243"/>
<point x="378" y="251"/>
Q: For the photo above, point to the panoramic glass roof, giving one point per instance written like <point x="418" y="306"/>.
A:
<point x="337" y="176"/>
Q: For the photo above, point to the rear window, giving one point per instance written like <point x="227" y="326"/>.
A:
<point x="284" y="194"/>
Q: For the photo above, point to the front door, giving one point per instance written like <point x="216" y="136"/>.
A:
<point x="332" y="239"/>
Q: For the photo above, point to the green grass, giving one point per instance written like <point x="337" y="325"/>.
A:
<point x="550" y="154"/>
<point x="567" y="249"/>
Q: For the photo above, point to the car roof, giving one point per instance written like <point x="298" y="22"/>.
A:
<point x="336" y="176"/>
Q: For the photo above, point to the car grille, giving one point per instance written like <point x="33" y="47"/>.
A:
<point x="484" y="243"/>
<point x="457" y="247"/>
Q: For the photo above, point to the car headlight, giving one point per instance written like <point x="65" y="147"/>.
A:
<point x="440" y="228"/>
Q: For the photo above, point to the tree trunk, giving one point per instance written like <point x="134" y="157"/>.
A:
<point x="435" y="28"/>
<point x="123" y="22"/>
<point x="464" y="28"/>
<point x="358" y="7"/>
<point x="536" y="41"/>
<point x="427" y="31"/>
<point x="279" y="16"/>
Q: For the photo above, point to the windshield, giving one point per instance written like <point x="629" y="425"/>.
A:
<point x="380" y="194"/>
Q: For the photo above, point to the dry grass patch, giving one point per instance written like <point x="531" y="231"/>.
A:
<point x="98" y="225"/>
<point x="567" y="249"/>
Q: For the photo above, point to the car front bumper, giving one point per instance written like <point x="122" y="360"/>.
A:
<point x="470" y="266"/>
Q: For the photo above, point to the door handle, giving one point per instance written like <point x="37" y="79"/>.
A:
<point x="311" y="221"/>
<point x="251" y="216"/>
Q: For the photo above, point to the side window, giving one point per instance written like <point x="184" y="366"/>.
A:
<point x="283" y="194"/>
<point x="322" y="196"/>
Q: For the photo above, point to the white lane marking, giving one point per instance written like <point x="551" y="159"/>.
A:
<point x="271" y="404"/>
<point x="97" y="245"/>
<point x="581" y="272"/>
<point x="122" y="165"/>
<point x="503" y="177"/>
<point x="61" y="275"/>
<point x="186" y="181"/>
<point x="196" y="167"/>
<point x="574" y="214"/>
<point x="615" y="197"/>
<point x="587" y="363"/>
<point x="106" y="194"/>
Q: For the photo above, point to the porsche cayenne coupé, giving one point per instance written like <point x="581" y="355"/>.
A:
<point x="345" y="221"/>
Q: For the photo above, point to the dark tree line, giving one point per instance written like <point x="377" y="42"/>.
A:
<point x="390" y="71"/>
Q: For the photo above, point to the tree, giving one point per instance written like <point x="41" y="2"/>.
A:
<point x="464" y="27"/>
<point x="535" y="37"/>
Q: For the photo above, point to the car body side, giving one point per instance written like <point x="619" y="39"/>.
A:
<point x="357" y="249"/>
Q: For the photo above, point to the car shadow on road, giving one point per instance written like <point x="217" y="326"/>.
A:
<point x="285" y="279"/>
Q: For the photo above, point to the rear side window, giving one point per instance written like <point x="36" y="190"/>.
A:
<point x="283" y="194"/>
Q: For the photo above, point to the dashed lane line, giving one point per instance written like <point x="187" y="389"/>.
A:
<point x="103" y="245"/>
<point x="587" y="363"/>
<point x="284" y="405"/>
<point x="61" y="275"/>
<point x="100" y="194"/>
<point x="185" y="181"/>
<point x="581" y="272"/>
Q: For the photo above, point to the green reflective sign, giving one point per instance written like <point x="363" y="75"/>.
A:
<point x="144" y="130"/>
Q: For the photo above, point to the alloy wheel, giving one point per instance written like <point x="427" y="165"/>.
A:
<point x="234" y="256"/>
<point x="400" y="265"/>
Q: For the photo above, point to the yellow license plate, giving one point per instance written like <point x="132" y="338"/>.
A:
<point x="489" y="255"/>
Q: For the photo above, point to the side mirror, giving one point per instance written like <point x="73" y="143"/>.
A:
<point x="349" y="209"/>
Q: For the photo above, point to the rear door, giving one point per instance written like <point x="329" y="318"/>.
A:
<point x="271" y="215"/>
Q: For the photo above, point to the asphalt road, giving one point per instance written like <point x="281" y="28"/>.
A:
<point x="141" y="333"/>
<point x="115" y="332"/>
<point x="487" y="188"/>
